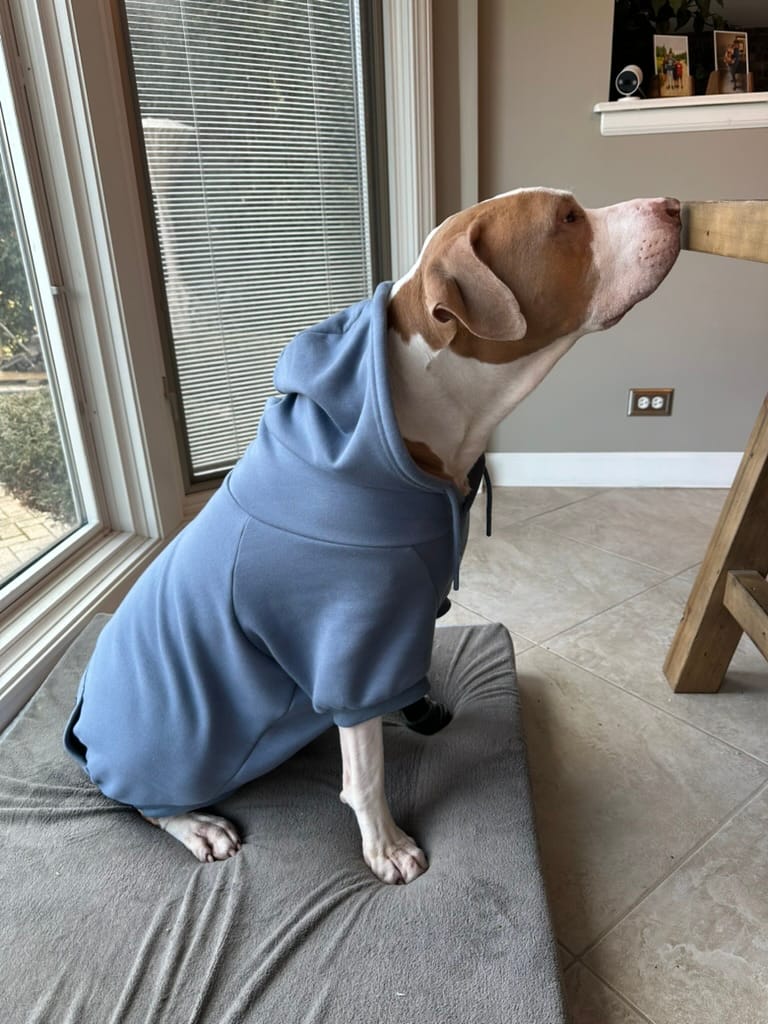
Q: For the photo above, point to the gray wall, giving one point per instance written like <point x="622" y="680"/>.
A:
<point x="542" y="68"/>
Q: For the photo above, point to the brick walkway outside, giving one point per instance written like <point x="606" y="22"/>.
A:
<point x="24" y="533"/>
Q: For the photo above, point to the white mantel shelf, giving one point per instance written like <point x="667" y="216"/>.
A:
<point x="687" y="114"/>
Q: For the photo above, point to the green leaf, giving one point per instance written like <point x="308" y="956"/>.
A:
<point x="683" y="17"/>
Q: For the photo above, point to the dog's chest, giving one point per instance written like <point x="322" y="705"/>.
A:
<point x="451" y="403"/>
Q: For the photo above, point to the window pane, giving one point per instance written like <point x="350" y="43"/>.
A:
<point x="38" y="506"/>
<point x="253" y="124"/>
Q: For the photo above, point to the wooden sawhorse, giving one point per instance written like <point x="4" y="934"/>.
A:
<point x="730" y="595"/>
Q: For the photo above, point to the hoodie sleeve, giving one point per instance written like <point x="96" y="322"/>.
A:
<point x="352" y="626"/>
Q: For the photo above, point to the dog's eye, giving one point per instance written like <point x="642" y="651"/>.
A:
<point x="571" y="217"/>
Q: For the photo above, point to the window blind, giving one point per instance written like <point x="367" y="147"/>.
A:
<point x="253" y="122"/>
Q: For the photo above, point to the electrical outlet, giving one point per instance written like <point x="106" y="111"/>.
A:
<point x="650" y="401"/>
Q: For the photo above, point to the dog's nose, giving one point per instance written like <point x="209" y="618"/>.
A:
<point x="666" y="208"/>
<point x="672" y="208"/>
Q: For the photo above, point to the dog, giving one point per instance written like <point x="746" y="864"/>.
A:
<point x="304" y="595"/>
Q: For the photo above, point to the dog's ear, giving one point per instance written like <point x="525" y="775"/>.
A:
<point x="460" y="287"/>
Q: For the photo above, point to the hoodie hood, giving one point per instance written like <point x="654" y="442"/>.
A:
<point x="329" y="461"/>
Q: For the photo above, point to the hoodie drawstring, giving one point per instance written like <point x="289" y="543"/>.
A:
<point x="456" y="524"/>
<point x="488" y="501"/>
<point x="456" y="518"/>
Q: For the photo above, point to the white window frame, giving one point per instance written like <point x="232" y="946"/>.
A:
<point x="67" y="76"/>
<point x="71" y="63"/>
<point x="409" y="88"/>
<point x="48" y="299"/>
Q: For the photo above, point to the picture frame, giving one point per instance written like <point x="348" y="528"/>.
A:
<point x="672" y="64"/>
<point x="732" y="61"/>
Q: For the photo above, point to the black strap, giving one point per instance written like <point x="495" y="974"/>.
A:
<point x="488" y="501"/>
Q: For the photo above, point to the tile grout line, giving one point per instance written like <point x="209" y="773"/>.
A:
<point x="685" y="859"/>
<point x="556" y="508"/>
<point x="466" y="608"/>
<point x="585" y="543"/>
<point x="657" y="707"/>
<point x="667" y="577"/>
<point x="527" y="518"/>
<point x="594" y="547"/>
<point x="620" y="995"/>
<point x="559" y="508"/>
<point x="607" y="551"/>
<point x="595" y="615"/>
<point x="545" y="640"/>
<point x="581" y="622"/>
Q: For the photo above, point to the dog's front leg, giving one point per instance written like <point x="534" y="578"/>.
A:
<point x="391" y="854"/>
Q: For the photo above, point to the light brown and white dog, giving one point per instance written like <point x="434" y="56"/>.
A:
<point x="499" y="293"/>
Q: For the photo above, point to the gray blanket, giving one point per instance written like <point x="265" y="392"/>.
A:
<point x="105" y="919"/>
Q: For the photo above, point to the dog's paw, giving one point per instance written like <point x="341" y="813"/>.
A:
<point x="426" y="716"/>
<point x="396" y="860"/>
<point x="207" y="836"/>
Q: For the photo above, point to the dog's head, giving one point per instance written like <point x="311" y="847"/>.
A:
<point x="512" y="274"/>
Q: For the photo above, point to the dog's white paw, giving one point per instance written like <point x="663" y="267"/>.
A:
<point x="396" y="859"/>
<point x="207" y="836"/>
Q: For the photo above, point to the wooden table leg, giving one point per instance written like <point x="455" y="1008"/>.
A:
<point x="708" y="634"/>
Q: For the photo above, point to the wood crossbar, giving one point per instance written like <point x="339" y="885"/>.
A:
<point x="738" y="228"/>
<point x="746" y="598"/>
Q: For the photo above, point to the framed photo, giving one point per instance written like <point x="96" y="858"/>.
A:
<point x="672" y="65"/>
<point x="731" y="61"/>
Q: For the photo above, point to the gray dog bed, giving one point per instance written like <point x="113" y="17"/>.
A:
<point x="107" y="920"/>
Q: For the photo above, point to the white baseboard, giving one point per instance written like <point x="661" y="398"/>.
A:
<point x="613" y="469"/>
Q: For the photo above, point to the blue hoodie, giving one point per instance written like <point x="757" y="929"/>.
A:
<point x="303" y="595"/>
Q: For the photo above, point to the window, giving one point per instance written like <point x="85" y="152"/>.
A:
<point x="85" y="339"/>
<point x="254" y="124"/>
<point x="40" y="486"/>
<point x="38" y="503"/>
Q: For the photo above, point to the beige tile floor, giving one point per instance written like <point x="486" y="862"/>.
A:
<point x="652" y="808"/>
